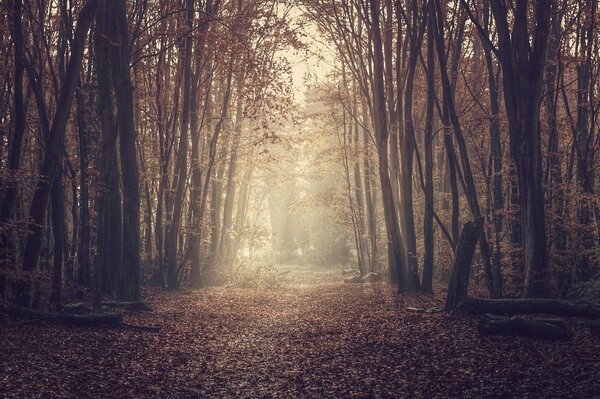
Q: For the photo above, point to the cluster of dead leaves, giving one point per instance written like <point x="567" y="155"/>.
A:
<point x="301" y="340"/>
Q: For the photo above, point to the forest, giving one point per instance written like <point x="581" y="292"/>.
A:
<point x="299" y="198"/>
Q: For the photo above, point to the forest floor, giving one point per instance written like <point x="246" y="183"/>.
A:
<point x="293" y="339"/>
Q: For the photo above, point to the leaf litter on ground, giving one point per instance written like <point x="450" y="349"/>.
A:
<point x="298" y="340"/>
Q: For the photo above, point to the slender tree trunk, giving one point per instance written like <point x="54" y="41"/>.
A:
<point x="496" y="155"/>
<point x="428" y="233"/>
<point x="226" y="240"/>
<point x="180" y="176"/>
<point x="49" y="166"/>
<point x="83" y="252"/>
<point x="408" y="151"/>
<point x="369" y="195"/>
<point x="58" y="236"/>
<point x="470" y="189"/>
<point x="396" y="251"/>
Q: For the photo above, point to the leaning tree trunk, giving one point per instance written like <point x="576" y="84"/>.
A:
<point x="470" y="187"/>
<point x="458" y="287"/>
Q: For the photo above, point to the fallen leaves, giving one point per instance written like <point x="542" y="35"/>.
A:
<point x="300" y="340"/>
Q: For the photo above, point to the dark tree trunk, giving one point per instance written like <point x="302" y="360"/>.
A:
<point x="129" y="286"/>
<point x="83" y="252"/>
<point x="49" y="166"/>
<point x="523" y="70"/>
<point x="396" y="251"/>
<point x="428" y="234"/>
<point x="18" y="117"/>
<point x="230" y="193"/>
<point x="496" y="159"/>
<point x="470" y="188"/>
<point x="516" y="326"/>
<point x="531" y="306"/>
<point x="196" y="182"/>
<point x="57" y="201"/>
<point x="458" y="286"/>
<point x="408" y="152"/>
<point x="181" y="169"/>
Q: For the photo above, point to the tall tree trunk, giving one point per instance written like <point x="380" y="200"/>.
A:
<point x="369" y="192"/>
<point x="180" y="176"/>
<point x="226" y="240"/>
<point x="428" y="234"/>
<point x="58" y="236"/>
<point x="18" y="117"/>
<point x="396" y="251"/>
<point x="109" y="260"/>
<point x="496" y="161"/>
<point x="83" y="252"/>
<point x="358" y="188"/>
<point x="523" y="67"/>
<point x="129" y="287"/>
<point x="470" y="189"/>
<point x="408" y="151"/>
<point x="49" y="166"/>
<point x="196" y="182"/>
<point x="582" y="140"/>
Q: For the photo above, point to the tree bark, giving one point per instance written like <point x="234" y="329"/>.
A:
<point x="396" y="251"/>
<point x="428" y="234"/>
<point x="523" y="67"/>
<point x="555" y="307"/>
<point x="458" y="286"/>
<point x="83" y="252"/>
<point x="516" y="326"/>
<point x="470" y="188"/>
<point x="181" y="169"/>
<point x="18" y="117"/>
<point x="49" y="166"/>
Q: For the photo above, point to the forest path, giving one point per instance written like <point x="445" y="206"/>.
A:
<point x="315" y="340"/>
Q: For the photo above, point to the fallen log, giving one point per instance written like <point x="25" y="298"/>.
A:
<point x="352" y="280"/>
<point x="78" y="307"/>
<point x="371" y="277"/>
<point x="517" y="326"/>
<point x="111" y="320"/>
<point x="84" y="320"/>
<point x="555" y="307"/>
<point x="82" y="307"/>
<point x="132" y="306"/>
